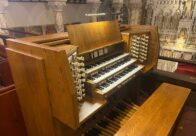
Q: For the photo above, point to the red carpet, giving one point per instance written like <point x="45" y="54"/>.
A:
<point x="187" y="124"/>
<point x="186" y="69"/>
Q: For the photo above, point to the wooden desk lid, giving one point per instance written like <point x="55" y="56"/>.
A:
<point x="94" y="35"/>
<point x="158" y="114"/>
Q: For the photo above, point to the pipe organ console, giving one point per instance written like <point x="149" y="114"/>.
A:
<point x="86" y="87"/>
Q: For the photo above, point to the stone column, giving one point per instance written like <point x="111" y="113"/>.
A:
<point x="135" y="8"/>
<point x="58" y="8"/>
<point x="3" y="24"/>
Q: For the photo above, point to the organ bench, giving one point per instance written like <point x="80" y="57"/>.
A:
<point x="157" y="116"/>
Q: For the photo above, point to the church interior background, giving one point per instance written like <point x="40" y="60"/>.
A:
<point x="176" y="23"/>
<point x="176" y="20"/>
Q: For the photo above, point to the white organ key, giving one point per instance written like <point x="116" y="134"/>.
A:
<point x="106" y="63"/>
<point x="113" y="71"/>
<point x="121" y="80"/>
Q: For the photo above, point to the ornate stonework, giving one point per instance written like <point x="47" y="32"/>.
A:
<point x="58" y="9"/>
<point x="3" y="24"/>
<point x="174" y="16"/>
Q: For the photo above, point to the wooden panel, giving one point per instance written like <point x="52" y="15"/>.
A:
<point x="59" y="79"/>
<point x="11" y="120"/>
<point x="126" y="38"/>
<point x="30" y="81"/>
<point x="158" y="114"/>
<point x="175" y="78"/>
<point x="153" y="45"/>
<point x="45" y="38"/>
<point x="5" y="73"/>
<point x="90" y="36"/>
<point x="2" y="51"/>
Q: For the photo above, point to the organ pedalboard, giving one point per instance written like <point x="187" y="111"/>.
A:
<point x="76" y="82"/>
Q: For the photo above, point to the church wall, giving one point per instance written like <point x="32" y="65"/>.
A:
<point x="28" y="14"/>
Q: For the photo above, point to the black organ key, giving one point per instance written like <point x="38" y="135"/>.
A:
<point x="114" y="79"/>
<point x="118" y="76"/>
<point x="96" y="131"/>
<point x="88" y="67"/>
<point x="110" y="82"/>
<point x="92" y="133"/>
<point x="107" y="70"/>
<point x="103" y="124"/>
<point x="91" y="78"/>
<point x="98" y="63"/>
<point x="121" y="74"/>
<point x="106" y="84"/>
<point x="100" y="88"/>
<point x="96" y="75"/>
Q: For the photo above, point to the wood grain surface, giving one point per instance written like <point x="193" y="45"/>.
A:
<point x="156" y="117"/>
<point x="29" y="77"/>
<point x="89" y="36"/>
<point x="60" y="85"/>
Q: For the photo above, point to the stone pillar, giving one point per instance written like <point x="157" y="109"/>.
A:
<point x="135" y="8"/>
<point x="3" y="24"/>
<point x="58" y="8"/>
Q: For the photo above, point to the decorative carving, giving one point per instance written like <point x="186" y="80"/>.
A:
<point x="124" y="14"/>
<point x="194" y="26"/>
<point x="149" y="14"/>
<point x="58" y="8"/>
<point x="3" y="23"/>
<point x="167" y="21"/>
<point x="159" y="20"/>
<point x="175" y="20"/>
<point x="135" y="11"/>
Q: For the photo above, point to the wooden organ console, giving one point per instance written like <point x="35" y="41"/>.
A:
<point x="86" y="87"/>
